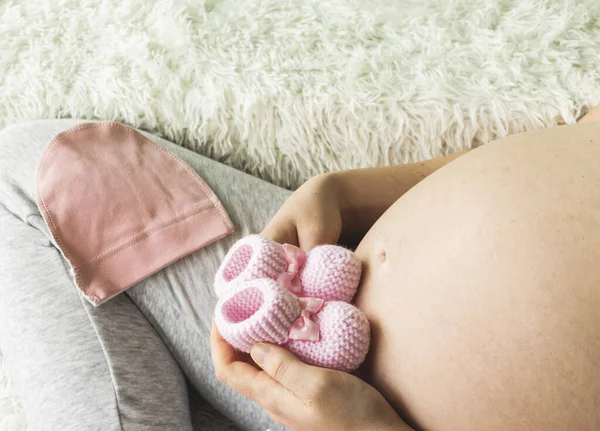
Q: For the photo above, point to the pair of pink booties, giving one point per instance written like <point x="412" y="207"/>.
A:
<point x="276" y="293"/>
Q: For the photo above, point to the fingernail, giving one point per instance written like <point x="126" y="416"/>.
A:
<point x="259" y="351"/>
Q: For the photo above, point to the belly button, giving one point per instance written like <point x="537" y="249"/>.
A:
<point x="382" y="256"/>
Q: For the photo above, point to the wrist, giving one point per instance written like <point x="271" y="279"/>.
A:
<point x="357" y="201"/>
<point x="331" y="184"/>
<point x="351" y="211"/>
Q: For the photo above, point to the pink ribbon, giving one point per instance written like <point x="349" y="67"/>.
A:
<point x="295" y="258"/>
<point x="304" y="328"/>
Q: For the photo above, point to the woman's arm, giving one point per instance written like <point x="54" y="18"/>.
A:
<point x="340" y="207"/>
<point x="365" y="194"/>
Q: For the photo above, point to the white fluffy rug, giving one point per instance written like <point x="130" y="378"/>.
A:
<point x="285" y="89"/>
<point x="288" y="88"/>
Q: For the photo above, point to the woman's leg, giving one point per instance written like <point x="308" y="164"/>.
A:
<point x="74" y="366"/>
<point x="178" y="300"/>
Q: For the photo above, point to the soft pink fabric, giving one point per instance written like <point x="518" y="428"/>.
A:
<point x="344" y="338"/>
<point x="251" y="257"/>
<point x="238" y="262"/>
<point x="329" y="272"/>
<point x="263" y="310"/>
<point x="295" y="259"/>
<point x="259" y="310"/>
<point x="305" y="328"/>
<point x="120" y="207"/>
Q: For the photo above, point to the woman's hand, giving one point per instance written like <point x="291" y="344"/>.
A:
<point x="345" y="203"/>
<point x="311" y="216"/>
<point x="300" y="396"/>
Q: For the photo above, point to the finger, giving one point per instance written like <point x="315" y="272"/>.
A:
<point x="293" y="374"/>
<point x="278" y="401"/>
<point x="249" y="381"/>
<point x="221" y="351"/>
<point x="223" y="354"/>
<point x="228" y="368"/>
<point x="218" y="344"/>
<point x="281" y="231"/>
<point x="226" y="360"/>
<point x="312" y="237"/>
<point x="244" y="357"/>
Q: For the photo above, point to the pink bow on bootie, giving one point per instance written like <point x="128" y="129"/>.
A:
<point x="295" y="258"/>
<point x="304" y="328"/>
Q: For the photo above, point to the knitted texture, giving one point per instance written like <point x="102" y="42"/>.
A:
<point x="256" y="310"/>
<point x="250" y="258"/>
<point x="344" y="338"/>
<point x="263" y="310"/>
<point x="330" y="272"/>
<point x="238" y="262"/>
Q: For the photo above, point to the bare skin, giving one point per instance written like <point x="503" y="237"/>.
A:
<point x="483" y="288"/>
<point x="592" y="116"/>
<point x="480" y="282"/>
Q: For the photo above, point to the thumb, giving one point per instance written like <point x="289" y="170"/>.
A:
<point x="310" y="238"/>
<point x="286" y="369"/>
<point x="281" y="233"/>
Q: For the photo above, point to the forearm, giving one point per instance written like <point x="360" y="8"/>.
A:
<point x="365" y="194"/>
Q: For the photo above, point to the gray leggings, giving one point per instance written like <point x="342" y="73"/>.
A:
<point x="117" y="366"/>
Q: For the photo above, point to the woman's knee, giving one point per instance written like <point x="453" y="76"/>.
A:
<point x="21" y="146"/>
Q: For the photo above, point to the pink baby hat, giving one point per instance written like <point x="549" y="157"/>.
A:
<point x="120" y="207"/>
<point x="329" y="272"/>
<point x="331" y="334"/>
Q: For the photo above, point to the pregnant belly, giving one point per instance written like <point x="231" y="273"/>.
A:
<point x="483" y="288"/>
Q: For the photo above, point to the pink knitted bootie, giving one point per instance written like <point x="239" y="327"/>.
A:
<point x="329" y="272"/>
<point x="331" y="334"/>
<point x="256" y="310"/>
